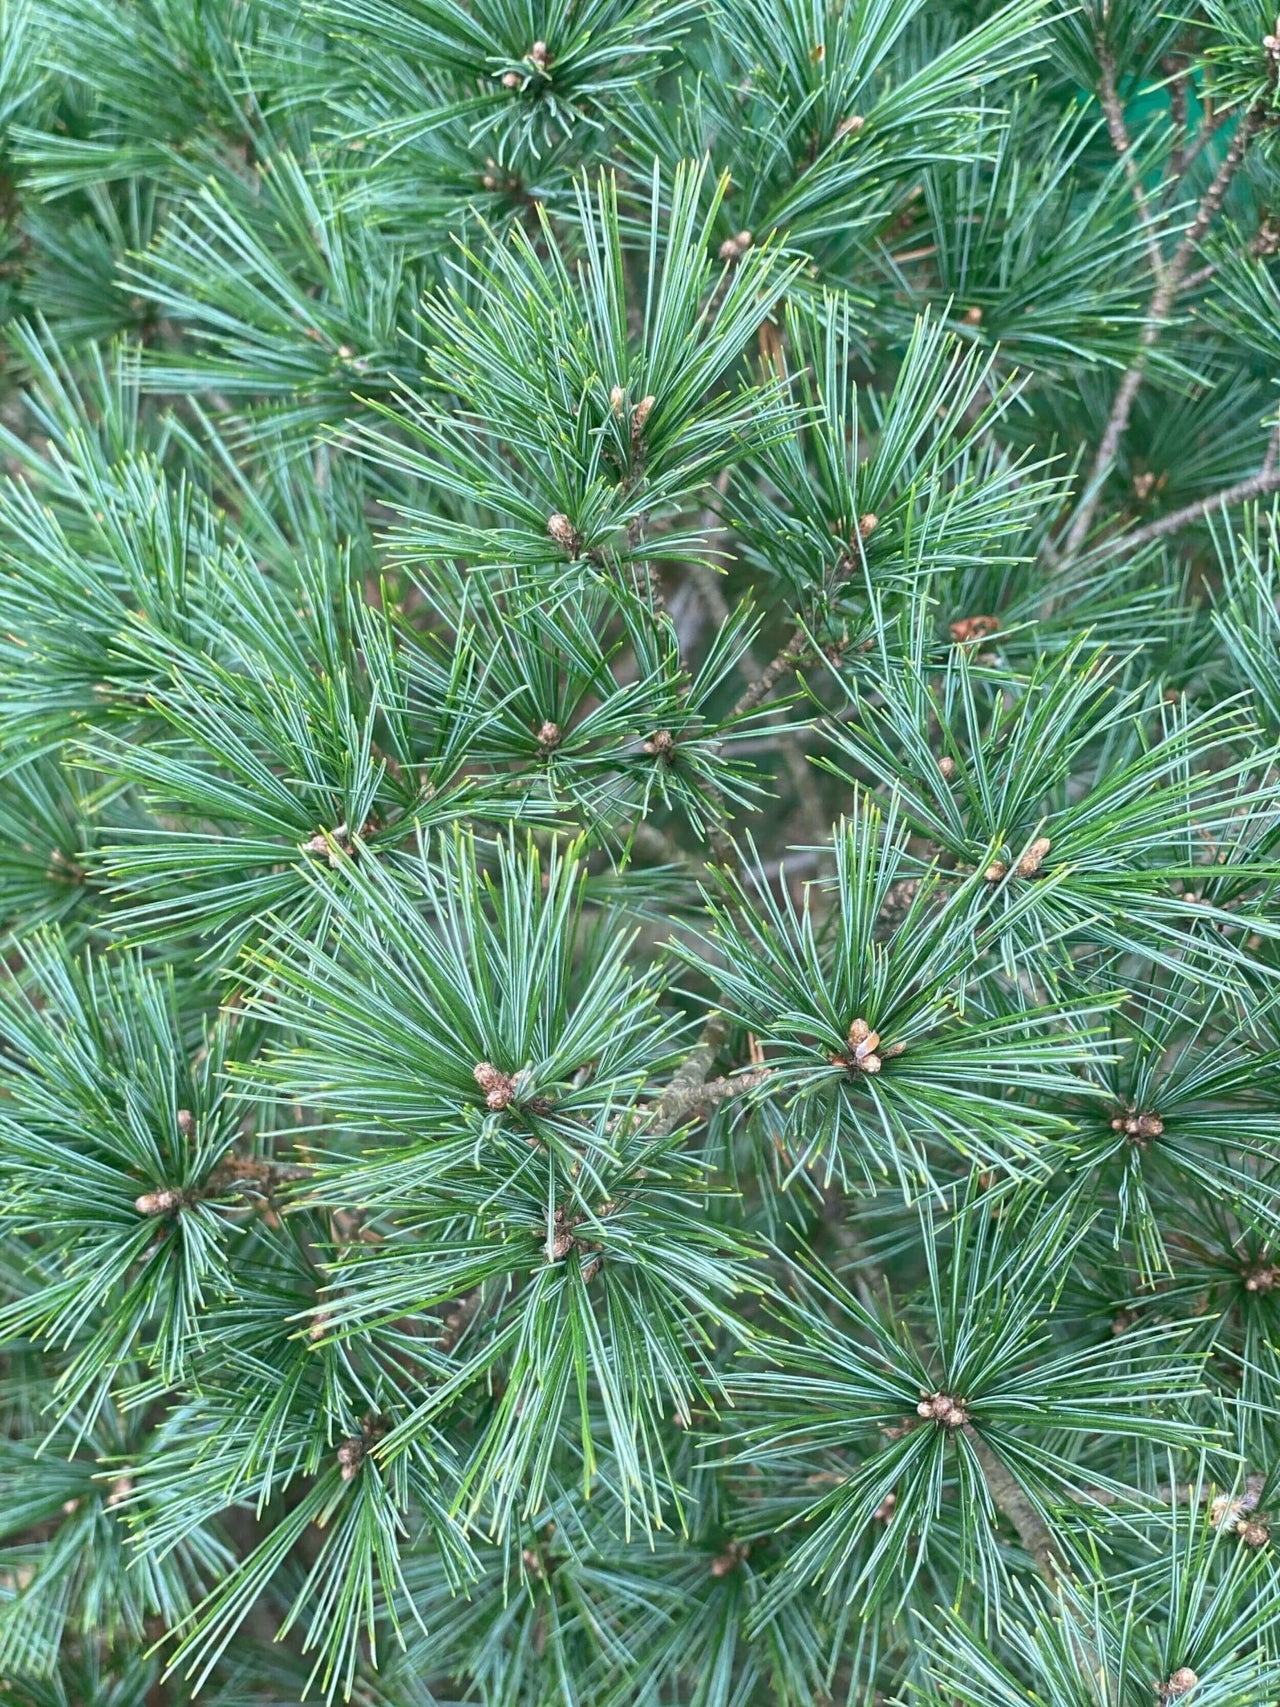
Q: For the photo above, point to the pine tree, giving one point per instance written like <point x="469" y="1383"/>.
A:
<point x="640" y="853"/>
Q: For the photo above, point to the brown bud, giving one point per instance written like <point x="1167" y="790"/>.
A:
<point x="730" y="1559"/>
<point x="499" y="1090"/>
<point x="644" y="408"/>
<point x="560" y="1240"/>
<point x="661" y="745"/>
<point x="859" y="1055"/>
<point x="1254" y="1534"/>
<point x="319" y="1325"/>
<point x="549" y="735"/>
<point x="617" y="397"/>
<point x="1262" y="1277"/>
<point x="1181" y="1683"/>
<point x="885" y="1510"/>
<point x="969" y="628"/>
<point x="734" y="248"/>
<point x="351" y="1456"/>
<point x="162" y="1202"/>
<point x="947" y="766"/>
<point x="539" y="56"/>
<point x="996" y="872"/>
<point x="851" y="125"/>
<point x="1033" y="859"/>
<point x="186" y="1122"/>
<point x="867" y="525"/>
<point x="566" y="536"/>
<point x="1141" y="1127"/>
<point x="511" y="79"/>
<point x="944" y="1409"/>
<point x="121" y="1488"/>
<point x="972" y="316"/>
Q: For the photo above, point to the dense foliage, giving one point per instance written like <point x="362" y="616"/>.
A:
<point x="639" y="853"/>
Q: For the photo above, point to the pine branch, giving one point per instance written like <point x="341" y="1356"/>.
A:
<point x="1267" y="479"/>
<point x="1012" y="1501"/>
<point x="676" y="1106"/>
<point x="1113" y="109"/>
<point x="1162" y="300"/>
<point x="687" y="1081"/>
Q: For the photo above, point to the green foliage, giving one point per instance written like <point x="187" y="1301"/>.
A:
<point x="639" y="827"/>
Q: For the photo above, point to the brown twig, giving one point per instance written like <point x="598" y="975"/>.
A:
<point x="1162" y="301"/>
<point x="692" y="1073"/>
<point x="1213" y="124"/>
<point x="676" y="1106"/>
<point x="1177" y="73"/>
<point x="1267" y="479"/>
<point x="1113" y="110"/>
<point x="1011" y="1499"/>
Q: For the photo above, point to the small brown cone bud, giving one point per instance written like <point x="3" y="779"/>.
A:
<point x="499" y="1090"/>
<point x="867" y="525"/>
<point x="944" y="1409"/>
<point x="730" y="1559"/>
<point x="969" y="628"/>
<point x="973" y="316"/>
<point x="121" y="1488"/>
<point x="661" y="745"/>
<point x="617" y="397"/>
<point x="1254" y="1534"/>
<point x="539" y="56"/>
<point x="350" y="1457"/>
<point x="566" y="536"/>
<point x="1033" y="859"/>
<point x="162" y="1202"/>
<point x="851" y="125"/>
<point x="884" y="1511"/>
<point x="1262" y="1277"/>
<point x="186" y="1122"/>
<point x="947" y="766"/>
<point x="644" y="408"/>
<point x="549" y="736"/>
<point x="996" y="872"/>
<point x="511" y="79"/>
<point x="1181" y="1683"/>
